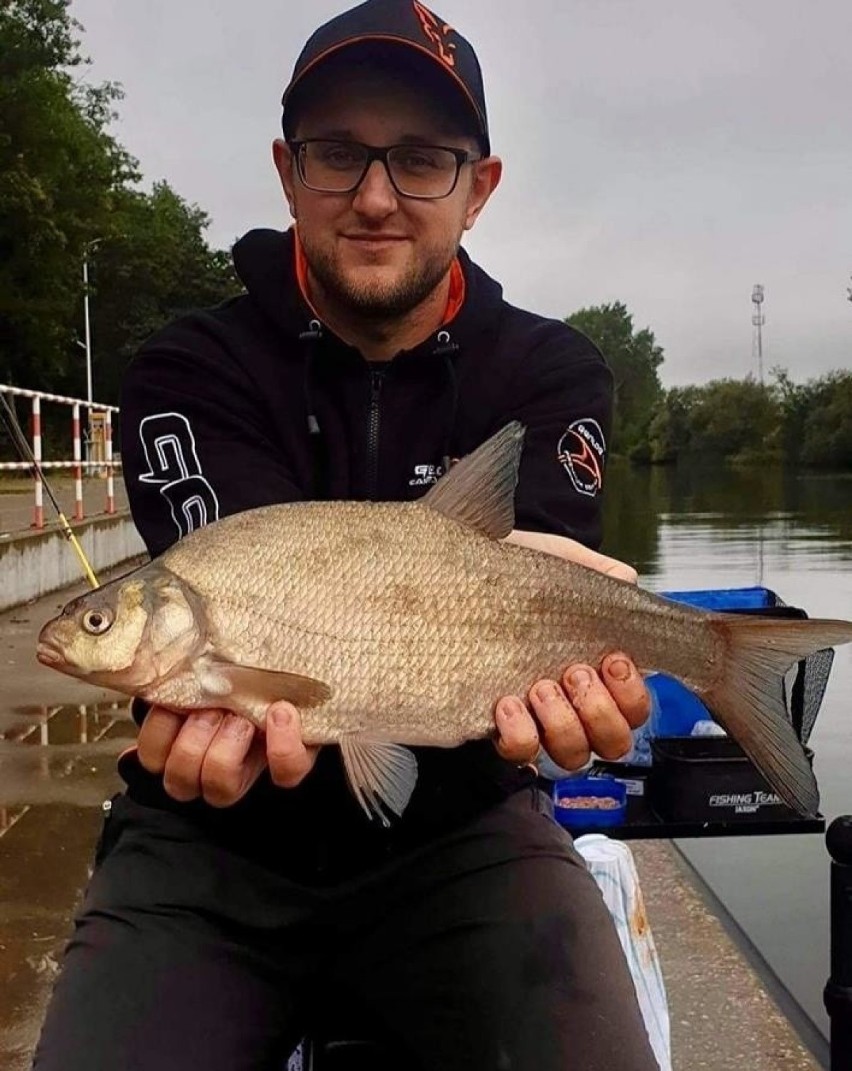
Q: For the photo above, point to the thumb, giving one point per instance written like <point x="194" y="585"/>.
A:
<point x="290" y="761"/>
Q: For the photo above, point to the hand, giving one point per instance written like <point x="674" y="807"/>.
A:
<point x="589" y="710"/>
<point x="219" y="756"/>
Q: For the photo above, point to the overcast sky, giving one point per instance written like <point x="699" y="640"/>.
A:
<point x="665" y="153"/>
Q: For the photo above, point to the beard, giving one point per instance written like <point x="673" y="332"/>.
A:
<point x="379" y="301"/>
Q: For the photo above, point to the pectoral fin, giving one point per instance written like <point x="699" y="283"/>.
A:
<point x="379" y="772"/>
<point x="264" y="686"/>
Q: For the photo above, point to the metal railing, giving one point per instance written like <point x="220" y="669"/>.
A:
<point x="99" y="449"/>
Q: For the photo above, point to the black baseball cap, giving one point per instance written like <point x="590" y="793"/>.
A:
<point x="398" y="24"/>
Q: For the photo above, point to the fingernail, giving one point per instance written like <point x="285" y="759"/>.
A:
<point x="209" y="719"/>
<point x="580" y="678"/>
<point x="619" y="668"/>
<point x="235" y="727"/>
<point x="282" y="717"/>
<point x="546" y="690"/>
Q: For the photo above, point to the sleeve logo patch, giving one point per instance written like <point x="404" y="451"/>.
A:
<point x="174" y="468"/>
<point x="581" y="452"/>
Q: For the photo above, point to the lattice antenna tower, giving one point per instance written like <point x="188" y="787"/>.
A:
<point x="758" y="320"/>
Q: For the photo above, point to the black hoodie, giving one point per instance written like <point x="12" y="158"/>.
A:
<point x="256" y="402"/>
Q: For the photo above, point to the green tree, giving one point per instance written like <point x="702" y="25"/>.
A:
<point x="670" y="430"/>
<point x="733" y="418"/>
<point x="793" y="402"/>
<point x="634" y="358"/>
<point x="827" y="434"/>
<point x="59" y="173"/>
<point x="816" y="419"/>
<point x="157" y="267"/>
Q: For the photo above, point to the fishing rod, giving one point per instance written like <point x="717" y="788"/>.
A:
<point x="7" y="413"/>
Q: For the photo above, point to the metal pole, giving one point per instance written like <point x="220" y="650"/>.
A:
<point x="110" y="503"/>
<point x="78" y="468"/>
<point x="38" y="519"/>
<point x="838" y="991"/>
<point x="758" y="319"/>
<point x="88" y="325"/>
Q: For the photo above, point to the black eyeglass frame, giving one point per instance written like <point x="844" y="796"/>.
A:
<point x="462" y="157"/>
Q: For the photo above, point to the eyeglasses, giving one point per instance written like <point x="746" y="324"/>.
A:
<point x="425" y="172"/>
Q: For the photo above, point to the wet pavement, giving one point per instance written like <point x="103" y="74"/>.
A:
<point x="58" y="742"/>
<point x="17" y="499"/>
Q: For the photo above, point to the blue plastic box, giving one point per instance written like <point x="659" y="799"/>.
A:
<point x="599" y="787"/>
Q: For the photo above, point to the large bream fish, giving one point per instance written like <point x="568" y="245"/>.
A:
<point x="389" y="624"/>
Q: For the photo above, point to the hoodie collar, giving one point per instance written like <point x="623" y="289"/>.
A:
<point x="270" y="265"/>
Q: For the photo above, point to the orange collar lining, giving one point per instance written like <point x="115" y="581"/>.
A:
<point x="455" y="297"/>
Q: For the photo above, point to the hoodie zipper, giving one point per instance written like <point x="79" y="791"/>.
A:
<point x="377" y="378"/>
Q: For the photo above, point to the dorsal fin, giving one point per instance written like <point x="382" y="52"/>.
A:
<point x="480" y="490"/>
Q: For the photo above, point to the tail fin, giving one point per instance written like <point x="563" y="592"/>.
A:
<point x="748" y="698"/>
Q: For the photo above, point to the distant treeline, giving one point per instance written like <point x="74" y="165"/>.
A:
<point x="725" y="420"/>
<point x="70" y="192"/>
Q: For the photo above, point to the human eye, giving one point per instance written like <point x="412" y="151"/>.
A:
<point x="421" y="159"/>
<point x="339" y="155"/>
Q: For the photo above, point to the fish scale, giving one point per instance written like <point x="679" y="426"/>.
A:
<point x="393" y="624"/>
<point x="416" y="598"/>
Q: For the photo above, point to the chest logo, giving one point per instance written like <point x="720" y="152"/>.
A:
<point x="581" y="452"/>
<point x="425" y="475"/>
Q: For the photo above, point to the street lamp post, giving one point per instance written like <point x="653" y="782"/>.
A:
<point x="86" y="249"/>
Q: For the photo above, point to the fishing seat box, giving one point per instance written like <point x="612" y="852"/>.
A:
<point x="710" y="779"/>
<point x="699" y="778"/>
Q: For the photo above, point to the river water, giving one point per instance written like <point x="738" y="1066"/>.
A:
<point x="728" y="527"/>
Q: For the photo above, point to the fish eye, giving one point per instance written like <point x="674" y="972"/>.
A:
<point x="97" y="622"/>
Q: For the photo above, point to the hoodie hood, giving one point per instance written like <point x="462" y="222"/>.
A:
<point x="265" y="261"/>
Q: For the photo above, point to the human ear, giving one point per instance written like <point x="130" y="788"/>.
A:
<point x="486" y="177"/>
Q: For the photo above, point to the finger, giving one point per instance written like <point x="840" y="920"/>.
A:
<point x="233" y="761"/>
<point x="606" y="728"/>
<point x="517" y="738"/>
<point x="619" y="570"/>
<point x="182" y="773"/>
<point x="157" y="734"/>
<point x="571" y="550"/>
<point x="627" y="687"/>
<point x="290" y="761"/>
<point x="563" y="735"/>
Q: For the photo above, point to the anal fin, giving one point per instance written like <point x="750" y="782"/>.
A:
<point x="381" y="774"/>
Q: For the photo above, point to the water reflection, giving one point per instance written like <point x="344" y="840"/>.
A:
<point x="60" y="754"/>
<point x="57" y="766"/>
<point x="755" y="505"/>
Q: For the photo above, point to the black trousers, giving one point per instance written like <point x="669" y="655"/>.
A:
<point x="488" y="948"/>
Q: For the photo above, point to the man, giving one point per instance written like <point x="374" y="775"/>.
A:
<point x="240" y="891"/>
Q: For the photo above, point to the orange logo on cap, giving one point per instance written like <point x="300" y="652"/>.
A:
<point x="435" y="33"/>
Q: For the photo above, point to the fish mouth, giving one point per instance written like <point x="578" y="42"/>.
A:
<point x="47" y="654"/>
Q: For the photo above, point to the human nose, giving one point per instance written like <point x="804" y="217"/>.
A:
<point x="376" y="196"/>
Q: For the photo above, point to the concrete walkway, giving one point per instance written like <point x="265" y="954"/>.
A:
<point x="17" y="498"/>
<point x="722" y="1017"/>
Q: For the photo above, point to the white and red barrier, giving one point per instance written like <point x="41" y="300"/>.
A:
<point x="99" y="417"/>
